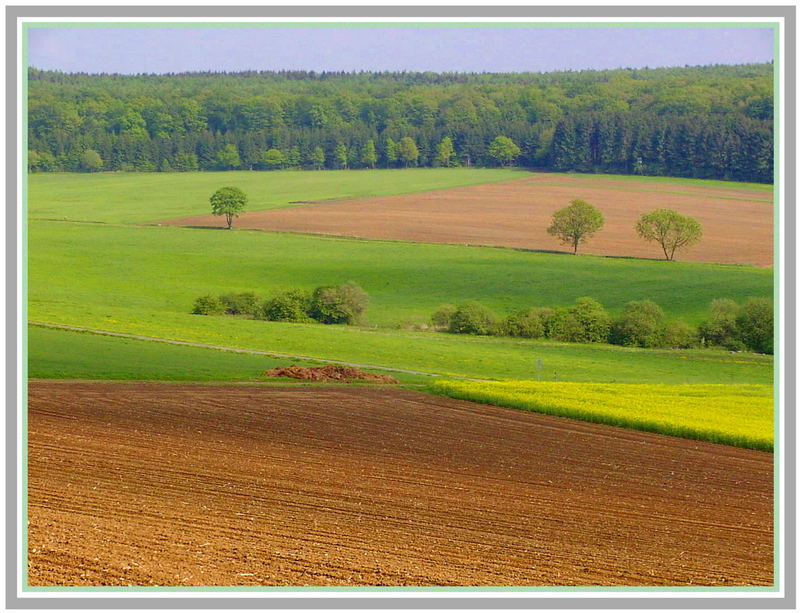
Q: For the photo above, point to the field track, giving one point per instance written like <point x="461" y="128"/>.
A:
<point x="737" y="222"/>
<point x="159" y="484"/>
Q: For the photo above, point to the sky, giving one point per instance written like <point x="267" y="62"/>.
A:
<point x="456" y="49"/>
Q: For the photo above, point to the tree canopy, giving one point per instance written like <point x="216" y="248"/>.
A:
<point x="575" y="223"/>
<point x="503" y="150"/>
<point x="228" y="201"/>
<point x="669" y="229"/>
<point x="704" y="122"/>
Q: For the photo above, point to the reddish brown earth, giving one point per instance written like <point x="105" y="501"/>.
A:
<point x="737" y="223"/>
<point x="163" y="484"/>
<point x="328" y="373"/>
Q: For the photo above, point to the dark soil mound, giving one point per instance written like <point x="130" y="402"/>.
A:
<point x="331" y="372"/>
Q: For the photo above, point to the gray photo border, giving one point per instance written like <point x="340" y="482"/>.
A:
<point x="400" y="601"/>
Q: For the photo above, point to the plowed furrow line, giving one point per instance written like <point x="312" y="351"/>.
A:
<point x="156" y="484"/>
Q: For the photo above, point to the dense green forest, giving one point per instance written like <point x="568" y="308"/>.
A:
<point x="706" y="122"/>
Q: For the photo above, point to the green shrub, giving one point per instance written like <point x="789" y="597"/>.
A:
<point x="734" y="344"/>
<point x="642" y="324"/>
<point x="525" y="324"/>
<point x="343" y="304"/>
<point x="754" y="324"/>
<point x="680" y="335"/>
<point x="594" y="321"/>
<point x="245" y="303"/>
<point x="208" y="305"/>
<point x="562" y="325"/>
<point x="586" y="322"/>
<point x="472" y="318"/>
<point x="293" y="305"/>
<point x="441" y="318"/>
<point x="721" y="325"/>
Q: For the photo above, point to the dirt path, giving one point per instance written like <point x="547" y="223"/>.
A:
<point x="737" y="223"/>
<point x="159" y="484"/>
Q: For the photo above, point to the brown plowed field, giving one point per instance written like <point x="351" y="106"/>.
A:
<point x="143" y="484"/>
<point x="737" y="223"/>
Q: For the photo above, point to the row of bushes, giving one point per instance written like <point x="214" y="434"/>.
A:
<point x="329" y="304"/>
<point x="641" y="324"/>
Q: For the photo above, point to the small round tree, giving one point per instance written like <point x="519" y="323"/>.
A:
<point x="91" y="161"/>
<point x="503" y="150"/>
<point x="669" y="229"/>
<point x="228" y="201"/>
<point x="575" y="223"/>
<point x="642" y="324"/>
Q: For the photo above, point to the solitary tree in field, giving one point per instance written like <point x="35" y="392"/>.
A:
<point x="228" y="201"/>
<point x="669" y="229"/>
<point x="504" y="150"/>
<point x="575" y="223"/>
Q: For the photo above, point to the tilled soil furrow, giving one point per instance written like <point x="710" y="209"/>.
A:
<point x="157" y="484"/>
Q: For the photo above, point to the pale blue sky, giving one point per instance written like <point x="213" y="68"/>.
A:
<point x="160" y="50"/>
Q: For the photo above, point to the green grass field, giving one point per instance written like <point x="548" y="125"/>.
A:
<point x="75" y="269"/>
<point x="446" y="354"/>
<point x="144" y="280"/>
<point x="64" y="354"/>
<point x="156" y="196"/>
<point x="739" y="415"/>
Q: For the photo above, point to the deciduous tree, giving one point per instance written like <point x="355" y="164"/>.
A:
<point x="369" y="156"/>
<point x="318" y="158"/>
<point x="445" y="152"/>
<point x="576" y="223"/>
<point x="503" y="150"/>
<point x="669" y="229"/>
<point x="407" y="151"/>
<point x="228" y="201"/>
<point x="273" y="158"/>
<point x="91" y="161"/>
<point x="228" y="158"/>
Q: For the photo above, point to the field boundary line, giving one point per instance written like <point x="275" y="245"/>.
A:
<point x="273" y="354"/>
<point x="655" y="191"/>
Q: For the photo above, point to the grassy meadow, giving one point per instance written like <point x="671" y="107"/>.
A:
<point x="731" y="414"/>
<point x="139" y="197"/>
<point x="95" y="356"/>
<point x="448" y="354"/>
<point x="76" y="268"/>
<point x="112" y="274"/>
<point x="144" y="280"/>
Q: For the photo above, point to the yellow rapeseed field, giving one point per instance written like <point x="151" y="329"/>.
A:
<point x="740" y="415"/>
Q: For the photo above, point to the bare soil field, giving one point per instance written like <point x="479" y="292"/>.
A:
<point x="737" y="223"/>
<point x="164" y="484"/>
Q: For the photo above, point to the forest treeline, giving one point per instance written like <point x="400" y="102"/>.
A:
<point x="705" y="122"/>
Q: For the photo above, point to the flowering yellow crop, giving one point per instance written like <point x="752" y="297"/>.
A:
<point x="739" y="415"/>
